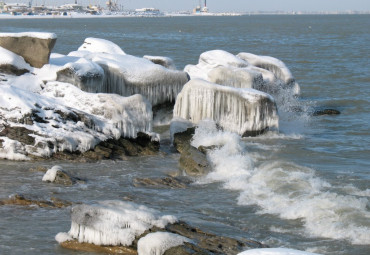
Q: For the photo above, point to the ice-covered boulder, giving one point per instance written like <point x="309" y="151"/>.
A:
<point x="58" y="175"/>
<point x="243" y="111"/>
<point x="34" y="47"/>
<point x="81" y="72"/>
<point x="101" y="45"/>
<point x="128" y="75"/>
<point x="61" y="117"/>
<point x="245" y="70"/>
<point x="163" y="61"/>
<point x="11" y="63"/>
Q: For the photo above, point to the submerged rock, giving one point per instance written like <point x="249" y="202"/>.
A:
<point x="34" y="47"/>
<point x="166" y="182"/>
<point x="325" y="112"/>
<point x="243" y="111"/>
<point x="25" y="201"/>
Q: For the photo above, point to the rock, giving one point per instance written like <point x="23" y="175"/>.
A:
<point x="35" y="48"/>
<point x="10" y="69"/>
<point x="163" y="61"/>
<point x="325" y="112"/>
<point x="11" y="63"/>
<point x="57" y="175"/>
<point x="166" y="182"/>
<point x="88" y="247"/>
<point x="24" y="201"/>
<point x="192" y="161"/>
<point x="242" y="111"/>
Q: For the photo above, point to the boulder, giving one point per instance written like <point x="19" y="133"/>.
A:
<point x="19" y="199"/>
<point x="11" y="63"/>
<point x="59" y="176"/>
<point x="34" y="47"/>
<point x="243" y="111"/>
<point x="162" y="61"/>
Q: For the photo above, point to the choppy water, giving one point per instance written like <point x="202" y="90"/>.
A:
<point x="306" y="187"/>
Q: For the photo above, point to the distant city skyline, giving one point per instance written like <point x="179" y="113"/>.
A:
<point x="223" y="5"/>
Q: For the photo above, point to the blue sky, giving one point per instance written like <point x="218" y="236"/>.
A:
<point x="226" y="5"/>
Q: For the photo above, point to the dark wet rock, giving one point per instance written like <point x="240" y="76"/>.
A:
<point x="38" y="169"/>
<point x="10" y="69"/>
<point x="192" y="161"/>
<point x="35" y="51"/>
<point x="166" y="182"/>
<point x="325" y="112"/>
<point x="25" y="201"/>
<point x="88" y="247"/>
<point x="20" y="134"/>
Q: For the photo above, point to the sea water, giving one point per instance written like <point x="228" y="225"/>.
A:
<point x="305" y="187"/>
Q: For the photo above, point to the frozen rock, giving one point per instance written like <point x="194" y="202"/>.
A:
<point x="243" y="111"/>
<point x="101" y="45"/>
<point x="11" y="63"/>
<point x="158" y="243"/>
<point x="34" y="47"/>
<point x="275" y="251"/>
<point x="163" y="61"/>
<point x="57" y="175"/>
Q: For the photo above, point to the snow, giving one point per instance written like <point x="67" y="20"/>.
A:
<point x="158" y="243"/>
<point x="113" y="222"/>
<point x="235" y="110"/>
<point x="101" y="45"/>
<point x="179" y="125"/>
<point x="51" y="174"/>
<point x="10" y="58"/>
<point x="63" y="237"/>
<point x="39" y="35"/>
<point x="275" y="251"/>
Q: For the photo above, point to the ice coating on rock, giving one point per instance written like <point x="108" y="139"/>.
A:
<point x="51" y="174"/>
<point x="236" y="110"/>
<point x="68" y="119"/>
<point x="114" y="222"/>
<point x="163" y="61"/>
<point x="216" y="58"/>
<point x="275" y="251"/>
<point x="39" y="35"/>
<point x="179" y="125"/>
<point x="10" y="58"/>
<point x="159" y="242"/>
<point x="100" y="45"/>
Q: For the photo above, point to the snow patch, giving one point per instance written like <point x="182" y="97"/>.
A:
<point x="275" y="251"/>
<point x="10" y="58"/>
<point x="101" y="45"/>
<point x="51" y="174"/>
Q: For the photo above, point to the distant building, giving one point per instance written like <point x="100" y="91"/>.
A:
<point x="71" y="7"/>
<point x="14" y="7"/>
<point x="151" y="10"/>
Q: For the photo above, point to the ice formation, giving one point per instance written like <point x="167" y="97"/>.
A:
<point x="101" y="45"/>
<point x="51" y="174"/>
<point x="236" y="110"/>
<point x="10" y="58"/>
<point x="245" y="70"/>
<point x="113" y="222"/>
<point x="275" y="251"/>
<point x="163" y="61"/>
<point x="159" y="242"/>
<point x="128" y="75"/>
<point x="39" y="35"/>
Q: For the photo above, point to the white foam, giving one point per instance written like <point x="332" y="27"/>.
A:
<point x="158" y="243"/>
<point x="275" y="251"/>
<point x="63" y="237"/>
<point x="285" y="189"/>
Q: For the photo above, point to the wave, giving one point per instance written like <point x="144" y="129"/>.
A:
<point x="284" y="188"/>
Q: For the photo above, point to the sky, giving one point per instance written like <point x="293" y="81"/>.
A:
<point x="225" y="5"/>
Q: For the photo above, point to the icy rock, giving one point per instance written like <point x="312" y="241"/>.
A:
<point x="243" y="111"/>
<point x="114" y="222"/>
<point x="163" y="61"/>
<point x="80" y="72"/>
<point x="157" y="243"/>
<point x="128" y="75"/>
<point x="101" y="45"/>
<point x="11" y="63"/>
<point x="57" y="175"/>
<point x="61" y="117"/>
<point x="34" y="47"/>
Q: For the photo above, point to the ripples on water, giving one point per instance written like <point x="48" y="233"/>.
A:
<point x="306" y="187"/>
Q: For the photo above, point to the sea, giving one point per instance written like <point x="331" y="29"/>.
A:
<point x="305" y="187"/>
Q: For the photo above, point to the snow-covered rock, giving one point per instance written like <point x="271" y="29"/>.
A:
<point x="159" y="242"/>
<point x="12" y="63"/>
<point x="101" y="45"/>
<point x="244" y="111"/>
<point x="61" y="117"/>
<point x="163" y="61"/>
<point x="34" y="47"/>
<point x="113" y="222"/>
